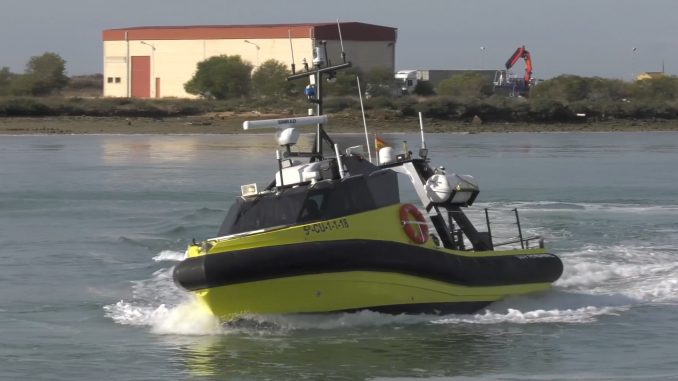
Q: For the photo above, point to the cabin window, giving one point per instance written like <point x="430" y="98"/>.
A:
<point x="406" y="192"/>
<point x="263" y="212"/>
<point x="383" y="186"/>
<point x="326" y="200"/>
<point x="340" y="198"/>
<point x="313" y="207"/>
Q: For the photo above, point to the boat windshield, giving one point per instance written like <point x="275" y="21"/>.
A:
<point x="303" y="204"/>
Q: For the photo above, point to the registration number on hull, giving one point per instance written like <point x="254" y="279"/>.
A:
<point x="326" y="226"/>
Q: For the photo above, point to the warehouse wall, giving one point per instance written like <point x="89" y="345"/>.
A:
<point x="365" y="55"/>
<point x="174" y="61"/>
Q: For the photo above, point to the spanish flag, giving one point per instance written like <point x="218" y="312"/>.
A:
<point x="378" y="143"/>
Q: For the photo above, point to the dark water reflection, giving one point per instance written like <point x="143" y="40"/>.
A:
<point x="393" y="351"/>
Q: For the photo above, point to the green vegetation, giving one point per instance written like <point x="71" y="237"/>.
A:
<point x="227" y="84"/>
<point x="270" y="80"/>
<point x="6" y="78"/>
<point x="468" y="84"/>
<point x="380" y="76"/>
<point x="378" y="82"/>
<point x="602" y="99"/>
<point x="343" y="84"/>
<point x="132" y="107"/>
<point x="44" y="75"/>
<point x="221" y="77"/>
<point x="424" y="89"/>
<point x="563" y="99"/>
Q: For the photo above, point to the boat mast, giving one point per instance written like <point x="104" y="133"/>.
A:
<point x="317" y="73"/>
<point x="314" y="91"/>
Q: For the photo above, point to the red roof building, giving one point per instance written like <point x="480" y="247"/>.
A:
<point x="156" y="61"/>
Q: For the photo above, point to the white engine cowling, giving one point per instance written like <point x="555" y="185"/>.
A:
<point x="455" y="189"/>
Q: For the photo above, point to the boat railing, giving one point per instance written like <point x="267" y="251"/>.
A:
<point x="511" y="225"/>
<point x="503" y="228"/>
<point x="524" y="243"/>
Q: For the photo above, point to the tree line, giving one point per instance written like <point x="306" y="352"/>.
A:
<point x="566" y="98"/>
<point x="230" y="83"/>
<point x="227" y="77"/>
<point x="44" y="75"/>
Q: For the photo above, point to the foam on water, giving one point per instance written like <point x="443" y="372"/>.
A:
<point x="159" y="304"/>
<point x="551" y="307"/>
<point x="169" y="255"/>
<point x="593" y="285"/>
<point x="331" y="321"/>
<point x="598" y="280"/>
<point x="558" y="206"/>
<point x="187" y="318"/>
<point x="580" y="315"/>
<point x="645" y="274"/>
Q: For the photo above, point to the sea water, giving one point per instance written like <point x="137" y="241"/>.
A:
<point x="91" y="227"/>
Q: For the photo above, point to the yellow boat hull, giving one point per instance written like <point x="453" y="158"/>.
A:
<point x="354" y="290"/>
<point x="361" y="261"/>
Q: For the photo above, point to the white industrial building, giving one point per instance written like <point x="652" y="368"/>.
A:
<point x="154" y="62"/>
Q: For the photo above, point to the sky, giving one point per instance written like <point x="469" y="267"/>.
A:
<point x="607" y="38"/>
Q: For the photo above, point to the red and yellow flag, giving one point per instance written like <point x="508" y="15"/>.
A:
<point x="378" y="143"/>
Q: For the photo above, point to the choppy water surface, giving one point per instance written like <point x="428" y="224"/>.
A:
<point x="90" y="227"/>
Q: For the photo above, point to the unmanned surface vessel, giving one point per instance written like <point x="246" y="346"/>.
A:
<point x="332" y="234"/>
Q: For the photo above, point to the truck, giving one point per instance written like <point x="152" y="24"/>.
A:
<point x="407" y="80"/>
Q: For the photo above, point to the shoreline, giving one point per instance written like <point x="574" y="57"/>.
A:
<point x="338" y="123"/>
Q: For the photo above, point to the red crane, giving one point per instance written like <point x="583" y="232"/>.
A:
<point x="521" y="52"/>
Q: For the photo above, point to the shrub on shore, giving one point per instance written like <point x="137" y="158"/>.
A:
<point x="565" y="99"/>
<point x="492" y="109"/>
<point x="224" y="84"/>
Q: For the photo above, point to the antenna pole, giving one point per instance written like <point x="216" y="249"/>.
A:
<point x="341" y="42"/>
<point x="317" y="74"/>
<point x="327" y="57"/>
<point x="339" y="163"/>
<point x="421" y="128"/>
<point x="319" y="110"/>
<point x="289" y="35"/>
<point x="362" y="109"/>
<point x="280" y="168"/>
